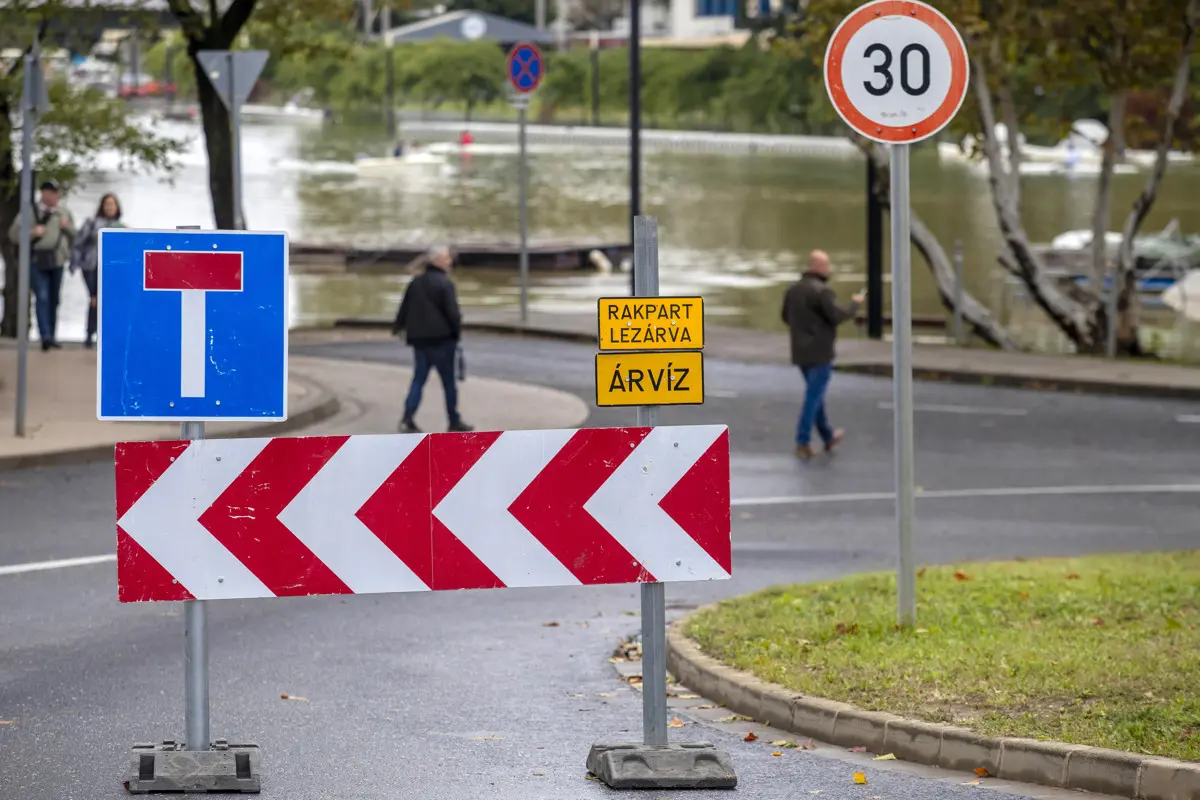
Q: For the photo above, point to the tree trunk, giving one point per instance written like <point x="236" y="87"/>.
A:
<point x="1075" y="318"/>
<point x="10" y="207"/>
<point x="1142" y="205"/>
<point x="945" y="277"/>
<point x="1103" y="211"/>
<point x="1008" y="110"/>
<point x="218" y="141"/>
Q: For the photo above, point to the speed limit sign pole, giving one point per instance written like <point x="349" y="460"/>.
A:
<point x="897" y="72"/>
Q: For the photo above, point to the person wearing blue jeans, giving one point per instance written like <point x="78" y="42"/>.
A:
<point x="812" y="315"/>
<point x="51" y="237"/>
<point x="430" y="317"/>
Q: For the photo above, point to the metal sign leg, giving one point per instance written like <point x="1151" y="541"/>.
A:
<point x="902" y="381"/>
<point x="655" y="763"/>
<point x="523" y="182"/>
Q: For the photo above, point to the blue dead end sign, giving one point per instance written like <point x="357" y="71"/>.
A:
<point x="193" y="325"/>
<point x="525" y="67"/>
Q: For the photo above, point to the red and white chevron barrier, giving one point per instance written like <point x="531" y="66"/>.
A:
<point x="402" y="513"/>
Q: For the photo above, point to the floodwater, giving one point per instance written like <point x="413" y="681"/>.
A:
<point x="735" y="228"/>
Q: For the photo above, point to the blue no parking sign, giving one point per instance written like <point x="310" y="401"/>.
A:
<point x="525" y="68"/>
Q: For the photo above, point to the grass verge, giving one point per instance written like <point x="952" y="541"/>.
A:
<point x="1102" y="651"/>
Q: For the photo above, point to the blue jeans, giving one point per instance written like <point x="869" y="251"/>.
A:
<point x="816" y="381"/>
<point x="46" y="284"/>
<point x="441" y="358"/>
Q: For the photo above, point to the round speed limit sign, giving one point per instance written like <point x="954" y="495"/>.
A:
<point x="896" y="71"/>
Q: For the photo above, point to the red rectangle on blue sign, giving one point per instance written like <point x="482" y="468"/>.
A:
<point x="173" y="270"/>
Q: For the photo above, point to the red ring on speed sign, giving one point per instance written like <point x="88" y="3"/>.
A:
<point x="946" y="33"/>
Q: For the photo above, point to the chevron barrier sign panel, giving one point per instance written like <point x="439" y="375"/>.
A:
<point x="242" y="518"/>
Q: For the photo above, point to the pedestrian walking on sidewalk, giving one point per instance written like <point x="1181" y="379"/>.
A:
<point x="83" y="257"/>
<point x="50" y="240"/>
<point x="812" y="315"/>
<point x="430" y="316"/>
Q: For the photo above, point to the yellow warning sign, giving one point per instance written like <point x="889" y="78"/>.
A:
<point x="651" y="323"/>
<point x="650" y="379"/>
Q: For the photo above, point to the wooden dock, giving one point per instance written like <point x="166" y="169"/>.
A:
<point x="543" y="256"/>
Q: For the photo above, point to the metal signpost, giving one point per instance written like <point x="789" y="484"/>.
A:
<point x="524" y="70"/>
<point x="192" y="327"/>
<point x="651" y="356"/>
<point x="34" y="102"/>
<point x="891" y="61"/>
<point x="233" y="74"/>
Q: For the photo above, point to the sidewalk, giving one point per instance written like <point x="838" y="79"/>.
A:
<point x="325" y="397"/>
<point x="930" y="362"/>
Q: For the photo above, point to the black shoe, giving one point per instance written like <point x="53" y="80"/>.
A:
<point x="408" y="426"/>
<point x="45" y="346"/>
<point x="460" y="427"/>
<point x="54" y="345"/>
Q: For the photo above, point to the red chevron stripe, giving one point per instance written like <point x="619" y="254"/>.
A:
<point x="140" y="577"/>
<point x="138" y="465"/>
<point x="707" y="522"/>
<point x="552" y="507"/>
<point x="451" y="456"/>
<point x="400" y="511"/>
<point x="245" y="517"/>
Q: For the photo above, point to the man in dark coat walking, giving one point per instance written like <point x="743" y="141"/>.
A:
<point x="430" y="315"/>
<point x="812" y="315"/>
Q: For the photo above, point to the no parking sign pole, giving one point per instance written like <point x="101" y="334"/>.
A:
<point x="890" y="62"/>
<point x="524" y="70"/>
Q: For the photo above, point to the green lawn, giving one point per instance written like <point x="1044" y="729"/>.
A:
<point x="1102" y="651"/>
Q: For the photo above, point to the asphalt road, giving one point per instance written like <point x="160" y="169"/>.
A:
<point x="470" y="695"/>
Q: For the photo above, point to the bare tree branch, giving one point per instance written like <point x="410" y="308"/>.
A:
<point x="977" y="315"/>
<point x="1072" y="317"/>
<point x="1102" y="213"/>
<point x="1145" y="200"/>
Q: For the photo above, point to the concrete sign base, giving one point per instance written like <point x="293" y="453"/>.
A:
<point x="167" y="767"/>
<point x="680" y="765"/>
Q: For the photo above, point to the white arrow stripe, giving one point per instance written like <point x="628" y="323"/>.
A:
<point x="476" y="509"/>
<point x="164" y="521"/>
<point x="627" y="504"/>
<point x="322" y="515"/>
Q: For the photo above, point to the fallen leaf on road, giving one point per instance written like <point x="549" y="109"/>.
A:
<point x="592" y="777"/>
<point x="688" y="696"/>
<point x="973" y="783"/>
<point x="961" y="576"/>
<point x="982" y="772"/>
<point x="888" y="757"/>
<point x="736" y="718"/>
<point x="286" y="696"/>
<point x="549" y="624"/>
<point x="8" y="722"/>
<point x="860" y="778"/>
<point x="783" y="743"/>
<point x="487" y="738"/>
<point x="750" y="737"/>
<point x="777" y="753"/>
<point x="704" y="707"/>
<point x="859" y="749"/>
<point x="606" y="694"/>
<point x="815" y="791"/>
<point x="539" y="774"/>
<point x="676" y="722"/>
<point x="807" y="745"/>
<point x="629" y="613"/>
<point x="746" y="515"/>
<point x="578" y="694"/>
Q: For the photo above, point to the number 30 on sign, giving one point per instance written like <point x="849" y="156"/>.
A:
<point x="897" y="71"/>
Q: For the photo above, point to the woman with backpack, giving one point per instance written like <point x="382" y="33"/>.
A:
<point x="108" y="215"/>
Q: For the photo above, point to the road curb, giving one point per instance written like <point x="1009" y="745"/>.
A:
<point x="1010" y="381"/>
<point x="326" y="405"/>
<point x="1057" y="764"/>
<point x="502" y="328"/>
<point x="929" y="374"/>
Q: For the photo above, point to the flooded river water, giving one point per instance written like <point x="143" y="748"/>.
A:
<point x="734" y="228"/>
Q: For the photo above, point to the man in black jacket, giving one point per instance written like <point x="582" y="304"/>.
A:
<point x="812" y="315"/>
<point x="430" y="315"/>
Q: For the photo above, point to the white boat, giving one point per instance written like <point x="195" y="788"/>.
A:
<point x="398" y="163"/>
<point x="473" y="149"/>
<point x="295" y="109"/>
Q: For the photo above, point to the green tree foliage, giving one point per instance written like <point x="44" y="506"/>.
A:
<point x="79" y="124"/>
<point x="469" y="73"/>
